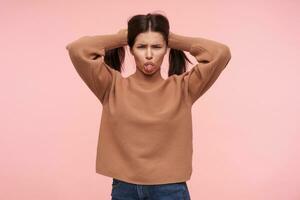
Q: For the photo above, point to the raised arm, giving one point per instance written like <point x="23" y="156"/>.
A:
<point x="212" y="58"/>
<point x="87" y="55"/>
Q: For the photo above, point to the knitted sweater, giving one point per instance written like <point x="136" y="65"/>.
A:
<point x="145" y="134"/>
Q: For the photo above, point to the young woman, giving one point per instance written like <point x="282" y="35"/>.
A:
<point x="145" y="136"/>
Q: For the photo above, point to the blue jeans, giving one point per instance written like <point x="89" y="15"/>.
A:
<point x="128" y="191"/>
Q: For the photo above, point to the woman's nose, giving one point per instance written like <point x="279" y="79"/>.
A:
<point x="149" y="53"/>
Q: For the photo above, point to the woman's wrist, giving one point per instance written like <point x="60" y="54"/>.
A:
<point x="122" y="33"/>
<point x="179" y="42"/>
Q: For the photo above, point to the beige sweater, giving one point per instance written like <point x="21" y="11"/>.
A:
<point x="145" y="135"/>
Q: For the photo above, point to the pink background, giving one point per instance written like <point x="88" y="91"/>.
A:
<point x="246" y="126"/>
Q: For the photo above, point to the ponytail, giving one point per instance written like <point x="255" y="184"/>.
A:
<point x="115" y="58"/>
<point x="177" y="62"/>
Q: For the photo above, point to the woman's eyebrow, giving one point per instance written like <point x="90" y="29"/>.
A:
<point x="146" y="44"/>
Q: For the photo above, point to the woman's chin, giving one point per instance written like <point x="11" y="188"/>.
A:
<point x="150" y="72"/>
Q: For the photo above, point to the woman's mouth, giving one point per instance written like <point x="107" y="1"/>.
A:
<point x="149" y="67"/>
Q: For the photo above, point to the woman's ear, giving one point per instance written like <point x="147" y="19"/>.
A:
<point x="130" y="49"/>
<point x="167" y="50"/>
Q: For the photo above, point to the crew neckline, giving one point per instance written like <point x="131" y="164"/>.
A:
<point x="148" y="80"/>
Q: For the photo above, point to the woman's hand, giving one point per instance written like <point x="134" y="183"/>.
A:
<point x="170" y="38"/>
<point x="123" y="32"/>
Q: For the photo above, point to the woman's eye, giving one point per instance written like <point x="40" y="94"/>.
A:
<point x="144" y="47"/>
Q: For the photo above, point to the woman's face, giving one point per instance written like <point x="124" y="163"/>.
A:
<point x="149" y="47"/>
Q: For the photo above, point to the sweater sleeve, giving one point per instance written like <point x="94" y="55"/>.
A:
<point x="87" y="55"/>
<point x="212" y="58"/>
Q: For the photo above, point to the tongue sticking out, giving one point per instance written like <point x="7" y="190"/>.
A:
<point x="149" y="68"/>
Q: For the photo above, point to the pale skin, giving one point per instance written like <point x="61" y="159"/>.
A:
<point x="148" y="46"/>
